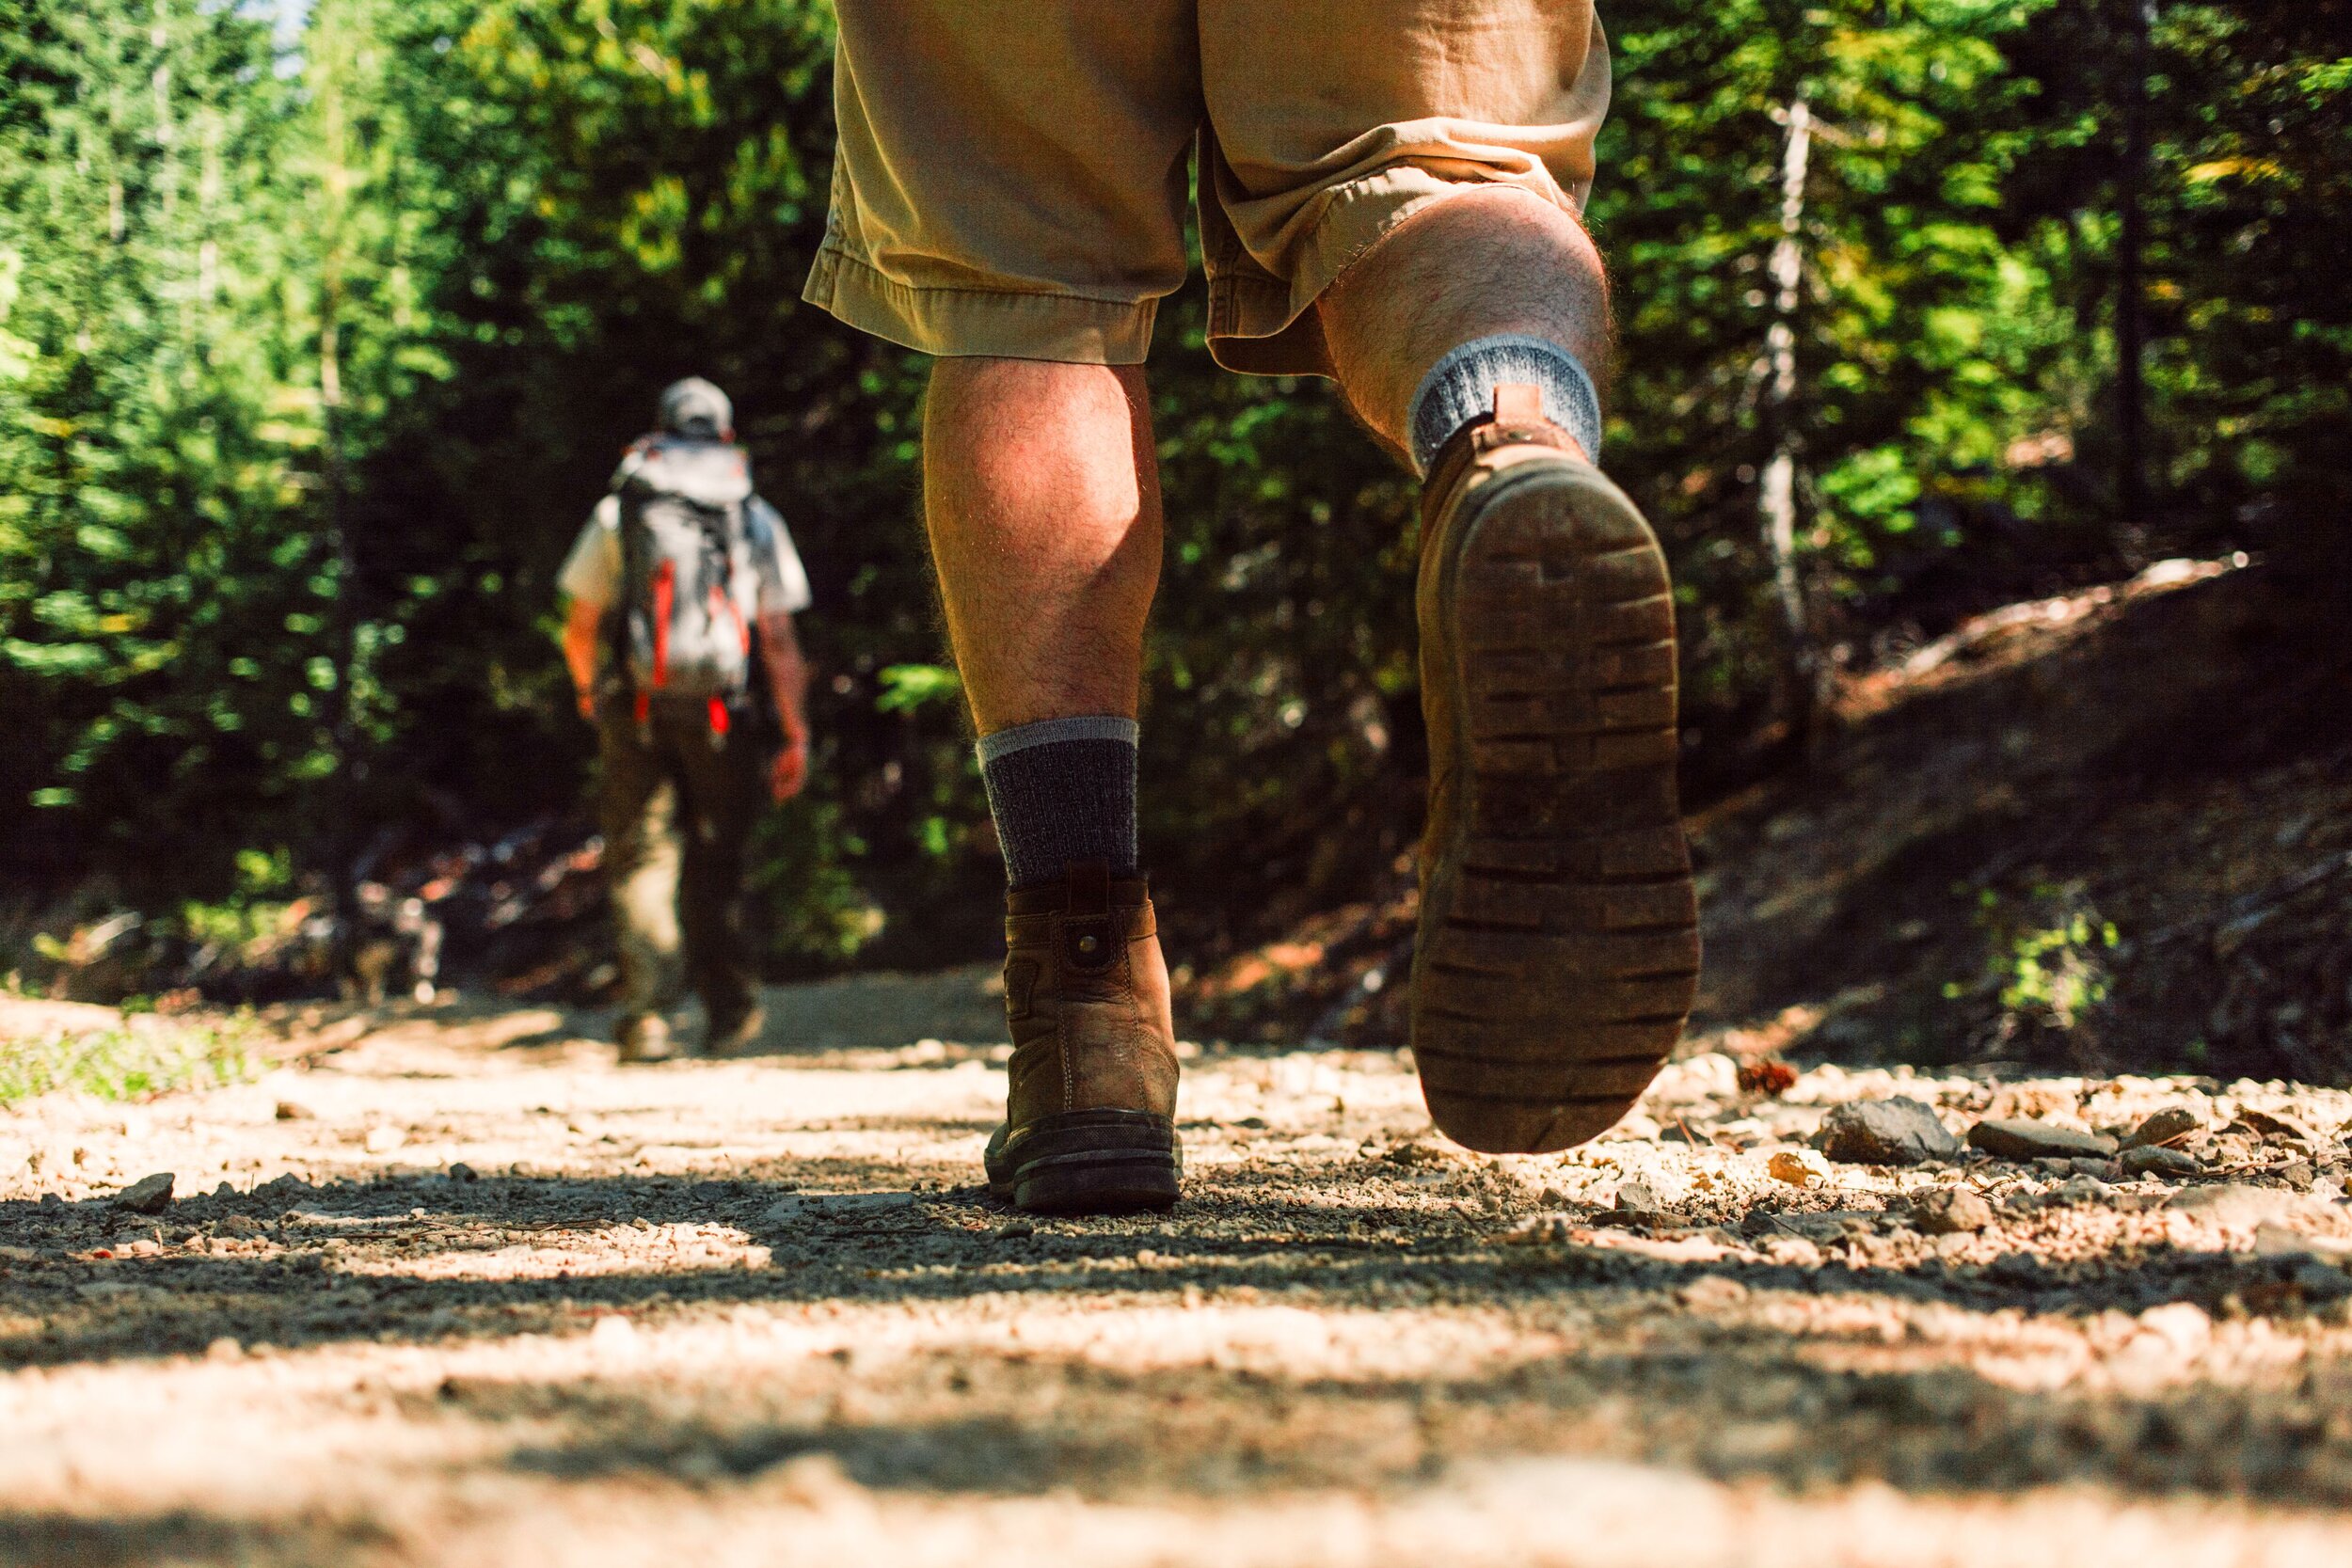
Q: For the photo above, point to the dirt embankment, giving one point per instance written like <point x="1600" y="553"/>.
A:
<point x="2108" y="832"/>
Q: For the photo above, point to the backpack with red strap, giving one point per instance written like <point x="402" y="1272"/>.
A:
<point x="684" y="638"/>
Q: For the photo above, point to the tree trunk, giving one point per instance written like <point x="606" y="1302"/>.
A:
<point x="2131" y="421"/>
<point x="1801" y="665"/>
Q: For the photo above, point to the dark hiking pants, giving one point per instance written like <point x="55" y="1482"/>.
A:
<point x="678" y="807"/>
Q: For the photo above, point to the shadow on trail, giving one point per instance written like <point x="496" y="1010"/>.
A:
<point x="887" y="1244"/>
<point x="1742" y="1379"/>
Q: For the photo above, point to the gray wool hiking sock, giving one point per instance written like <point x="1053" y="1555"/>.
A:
<point x="1063" y="793"/>
<point x="1461" y="387"/>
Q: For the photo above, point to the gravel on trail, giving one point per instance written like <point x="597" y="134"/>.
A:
<point x="462" y="1290"/>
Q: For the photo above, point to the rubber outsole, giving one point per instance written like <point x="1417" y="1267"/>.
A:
<point x="1089" y="1163"/>
<point x="1558" y="955"/>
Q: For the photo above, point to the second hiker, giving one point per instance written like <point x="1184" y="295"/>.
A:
<point x="682" y="588"/>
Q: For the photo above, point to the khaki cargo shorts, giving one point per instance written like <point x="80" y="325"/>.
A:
<point x="1013" y="174"/>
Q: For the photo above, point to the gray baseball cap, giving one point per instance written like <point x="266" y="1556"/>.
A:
<point x="694" y="407"/>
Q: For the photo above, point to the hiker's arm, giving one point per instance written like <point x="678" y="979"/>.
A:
<point x="788" y="681"/>
<point x="582" y="623"/>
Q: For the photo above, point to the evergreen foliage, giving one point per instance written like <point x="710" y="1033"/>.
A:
<point x="311" y="364"/>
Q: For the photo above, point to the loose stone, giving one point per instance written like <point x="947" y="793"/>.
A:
<point x="1951" y="1210"/>
<point x="147" y="1196"/>
<point x="1894" y="1131"/>
<point x="2156" y="1159"/>
<point x="2037" y="1140"/>
<point x="2164" y="1126"/>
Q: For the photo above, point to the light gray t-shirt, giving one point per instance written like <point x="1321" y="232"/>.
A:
<point x="770" y="580"/>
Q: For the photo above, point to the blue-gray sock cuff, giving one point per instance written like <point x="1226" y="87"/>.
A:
<point x="1461" y="387"/>
<point x="1047" y="732"/>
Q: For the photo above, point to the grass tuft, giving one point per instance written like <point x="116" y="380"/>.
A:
<point x="126" y="1063"/>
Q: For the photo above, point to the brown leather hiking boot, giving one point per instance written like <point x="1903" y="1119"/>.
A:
<point x="643" y="1037"/>
<point x="1558" y="952"/>
<point x="1091" y="1119"/>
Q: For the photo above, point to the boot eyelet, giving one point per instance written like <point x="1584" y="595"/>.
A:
<point x="1089" y="944"/>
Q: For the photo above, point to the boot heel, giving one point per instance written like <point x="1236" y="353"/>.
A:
<point x="1089" y="1162"/>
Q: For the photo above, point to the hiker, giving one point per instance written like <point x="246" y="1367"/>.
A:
<point x="1389" y="196"/>
<point x="682" y="588"/>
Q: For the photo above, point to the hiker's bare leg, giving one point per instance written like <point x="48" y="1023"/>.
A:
<point x="1487" y="262"/>
<point x="1042" y="499"/>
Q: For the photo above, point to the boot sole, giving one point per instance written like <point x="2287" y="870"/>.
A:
<point x="1558" y="954"/>
<point x="1089" y="1162"/>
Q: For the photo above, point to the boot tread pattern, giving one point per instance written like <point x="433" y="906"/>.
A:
<point x="1559" y="952"/>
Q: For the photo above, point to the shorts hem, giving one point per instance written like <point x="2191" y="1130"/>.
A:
<point x="1260" y="325"/>
<point x="1004" y="324"/>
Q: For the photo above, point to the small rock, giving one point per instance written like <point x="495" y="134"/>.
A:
<point x="2034" y="1140"/>
<point x="460" y="1171"/>
<point x="1793" y="1251"/>
<point x="290" y="1110"/>
<point x="224" y="1349"/>
<point x="2157" y="1160"/>
<point x="1894" y="1131"/>
<point x="2103" y="1170"/>
<point x="1014" y="1231"/>
<point x="1637" y="1200"/>
<point x="383" y="1140"/>
<point x="1712" y="1293"/>
<point x="2320" y="1284"/>
<point x="612" y="1332"/>
<point x="147" y="1196"/>
<point x="2298" y="1175"/>
<point x="2181" y="1325"/>
<point x="2233" y="1203"/>
<point x="1951" y="1210"/>
<point x="1789" y="1167"/>
<point x="816" y="1482"/>
<point x="862" y="1205"/>
<point x="2166" y="1126"/>
<point x="1827" y="1226"/>
<point x="2271" y="1125"/>
<point x="2279" y="1240"/>
<point x="2077" y="1190"/>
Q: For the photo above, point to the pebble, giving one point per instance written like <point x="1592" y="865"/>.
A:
<point x="2235" y="1203"/>
<point x="2077" y="1190"/>
<point x="836" y="1206"/>
<point x="2156" y="1159"/>
<point x="1951" y="1210"/>
<point x="2181" y="1325"/>
<point x="2279" y="1240"/>
<point x="2319" y="1283"/>
<point x="150" y="1195"/>
<point x="1638" y="1200"/>
<point x="293" y="1109"/>
<point x="1784" y="1166"/>
<point x="2163" y="1127"/>
<point x="1898" y="1130"/>
<point x="1712" y="1293"/>
<point x="2033" y="1140"/>
<point x="460" y="1171"/>
<point x="383" y="1140"/>
<point x="2271" y="1125"/>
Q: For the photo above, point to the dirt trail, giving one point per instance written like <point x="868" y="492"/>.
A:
<point x="464" y="1291"/>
